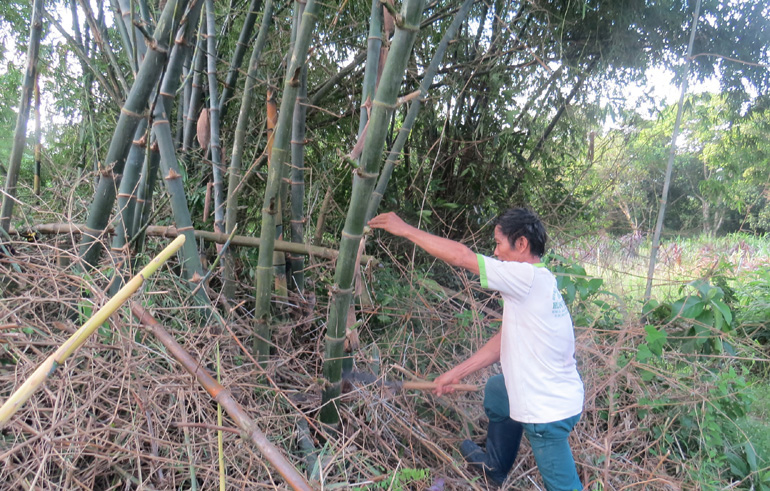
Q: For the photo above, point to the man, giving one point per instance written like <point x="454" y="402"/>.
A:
<point x="539" y="392"/>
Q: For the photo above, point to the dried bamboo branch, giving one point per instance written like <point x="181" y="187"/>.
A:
<point x="42" y="373"/>
<point x="224" y="398"/>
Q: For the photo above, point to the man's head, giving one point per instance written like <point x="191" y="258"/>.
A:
<point x="524" y="233"/>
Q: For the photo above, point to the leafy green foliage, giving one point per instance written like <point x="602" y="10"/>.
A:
<point x="404" y="479"/>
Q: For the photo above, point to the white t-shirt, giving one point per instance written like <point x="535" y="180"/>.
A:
<point x="537" y="353"/>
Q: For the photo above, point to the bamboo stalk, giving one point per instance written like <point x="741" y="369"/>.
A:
<point x="84" y="58"/>
<point x="273" y="187"/>
<point x="42" y="373"/>
<point x="220" y="435"/>
<point x="124" y="225"/>
<point x="223" y="396"/>
<point x="25" y="100"/>
<point x="114" y="72"/>
<point x="144" y="195"/>
<point x="138" y="47"/>
<point x="238" y="54"/>
<point x="322" y="212"/>
<point x="231" y="213"/>
<point x="130" y="115"/>
<point x="195" y="94"/>
<point x="169" y="164"/>
<point x="414" y="109"/>
<point x="38" y="140"/>
<point x="172" y="232"/>
<point x="418" y="385"/>
<point x="671" y="156"/>
<point x="297" y="223"/>
<point x="172" y="178"/>
<point x="123" y="32"/>
<point x="363" y="184"/>
<point x="215" y="146"/>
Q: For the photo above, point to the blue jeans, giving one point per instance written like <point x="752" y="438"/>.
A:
<point x="549" y="441"/>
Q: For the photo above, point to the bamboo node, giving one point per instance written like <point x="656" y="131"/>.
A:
<point x="130" y="113"/>
<point x="360" y="172"/>
<point x="391" y="107"/>
<point x="403" y="25"/>
<point x="294" y="81"/>
<point x="336" y="290"/>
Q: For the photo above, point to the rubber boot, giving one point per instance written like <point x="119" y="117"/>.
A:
<point x="503" y="439"/>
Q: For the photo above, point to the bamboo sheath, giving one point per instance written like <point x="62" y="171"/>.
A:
<point x="42" y="373"/>
<point x="172" y="232"/>
<point x="225" y="399"/>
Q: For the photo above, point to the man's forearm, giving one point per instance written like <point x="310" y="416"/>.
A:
<point x="447" y="250"/>
<point x="485" y="356"/>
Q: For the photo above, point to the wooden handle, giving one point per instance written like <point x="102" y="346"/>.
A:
<point x="433" y="385"/>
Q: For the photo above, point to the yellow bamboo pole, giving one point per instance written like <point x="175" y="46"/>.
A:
<point x="40" y="375"/>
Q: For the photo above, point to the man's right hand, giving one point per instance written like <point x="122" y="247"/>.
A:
<point x="390" y="222"/>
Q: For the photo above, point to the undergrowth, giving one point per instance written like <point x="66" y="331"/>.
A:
<point x="675" y="389"/>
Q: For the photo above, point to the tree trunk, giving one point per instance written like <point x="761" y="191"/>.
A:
<point x="671" y="155"/>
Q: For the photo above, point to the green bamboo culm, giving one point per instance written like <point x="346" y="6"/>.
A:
<point x="238" y="54"/>
<point x="297" y="262"/>
<point x="411" y="115"/>
<point x="373" y="53"/>
<point x="169" y="164"/>
<point x="25" y="104"/>
<point x="193" y="104"/>
<point x="279" y="258"/>
<point x="144" y="195"/>
<point x="273" y="188"/>
<point x="407" y="25"/>
<point x="236" y="159"/>
<point x="133" y="180"/>
<point x="127" y="194"/>
<point x="125" y="37"/>
<point x="130" y="114"/>
<point x="373" y="45"/>
<point x="214" y="145"/>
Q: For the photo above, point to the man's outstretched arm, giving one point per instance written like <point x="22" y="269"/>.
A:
<point x="447" y="250"/>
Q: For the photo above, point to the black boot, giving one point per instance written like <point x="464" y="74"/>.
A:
<point x="503" y="439"/>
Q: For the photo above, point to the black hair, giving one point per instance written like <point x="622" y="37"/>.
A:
<point x="522" y="222"/>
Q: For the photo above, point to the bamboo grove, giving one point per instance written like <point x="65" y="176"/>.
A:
<point x="341" y="110"/>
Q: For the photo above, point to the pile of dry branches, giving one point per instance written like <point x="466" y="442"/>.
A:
<point x="122" y="414"/>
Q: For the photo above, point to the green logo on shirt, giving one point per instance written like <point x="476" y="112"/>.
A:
<point x="559" y="307"/>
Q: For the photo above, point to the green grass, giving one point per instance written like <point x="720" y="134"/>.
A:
<point x="756" y="424"/>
